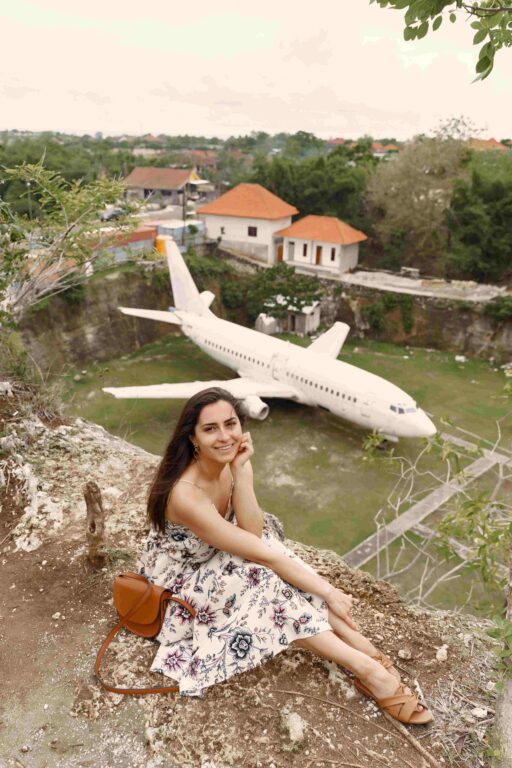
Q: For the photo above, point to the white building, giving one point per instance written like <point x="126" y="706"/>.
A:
<point x="319" y="244"/>
<point x="246" y="219"/>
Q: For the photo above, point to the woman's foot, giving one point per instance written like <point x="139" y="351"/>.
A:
<point x="399" y="700"/>
<point x="387" y="663"/>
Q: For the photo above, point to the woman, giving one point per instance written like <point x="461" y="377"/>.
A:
<point x="252" y="596"/>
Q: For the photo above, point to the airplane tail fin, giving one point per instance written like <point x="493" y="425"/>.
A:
<point x="184" y="290"/>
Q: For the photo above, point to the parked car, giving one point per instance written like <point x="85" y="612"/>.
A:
<point x="113" y="213"/>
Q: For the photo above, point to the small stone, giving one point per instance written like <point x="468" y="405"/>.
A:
<point x="404" y="653"/>
<point x="56" y="615"/>
<point x="25" y="748"/>
<point x="442" y="653"/>
<point x="480" y="712"/>
<point x="490" y="686"/>
<point x="77" y="377"/>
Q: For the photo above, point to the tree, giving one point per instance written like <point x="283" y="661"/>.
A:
<point x="44" y="256"/>
<point x="332" y="185"/>
<point x="479" y="221"/>
<point x="409" y="195"/>
<point x="278" y="289"/>
<point x="491" y="20"/>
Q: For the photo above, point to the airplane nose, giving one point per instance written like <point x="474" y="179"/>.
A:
<point x="426" y="425"/>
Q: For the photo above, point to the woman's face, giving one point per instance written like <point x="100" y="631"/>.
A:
<point x="218" y="432"/>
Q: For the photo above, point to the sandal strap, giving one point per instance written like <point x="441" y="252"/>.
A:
<point x="383" y="659"/>
<point x="404" y="703"/>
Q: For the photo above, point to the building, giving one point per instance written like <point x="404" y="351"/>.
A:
<point x="487" y="145"/>
<point x="300" y="321"/>
<point x="319" y="243"/>
<point x="169" y="183"/>
<point x="246" y="218"/>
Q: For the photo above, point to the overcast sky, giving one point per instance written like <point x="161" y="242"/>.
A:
<point x="333" y="67"/>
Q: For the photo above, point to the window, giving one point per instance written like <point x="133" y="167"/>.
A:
<point x="252" y="231"/>
<point x="333" y="254"/>
<point x="305" y="250"/>
<point x="223" y="230"/>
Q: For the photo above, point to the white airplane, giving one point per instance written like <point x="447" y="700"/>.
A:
<point x="269" y="367"/>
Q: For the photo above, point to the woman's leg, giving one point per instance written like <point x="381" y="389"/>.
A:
<point x="356" y="639"/>
<point x="372" y="674"/>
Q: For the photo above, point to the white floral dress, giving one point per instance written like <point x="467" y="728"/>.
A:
<point x="245" y="613"/>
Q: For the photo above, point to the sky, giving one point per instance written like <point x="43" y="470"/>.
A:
<point x="337" y="68"/>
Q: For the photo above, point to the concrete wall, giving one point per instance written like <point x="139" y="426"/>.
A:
<point x="233" y="231"/>
<point x="299" y="251"/>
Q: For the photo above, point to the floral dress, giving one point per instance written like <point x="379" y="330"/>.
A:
<point x="245" y="613"/>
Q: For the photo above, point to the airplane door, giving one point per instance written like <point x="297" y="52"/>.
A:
<point x="278" y="366"/>
<point x="366" y="405"/>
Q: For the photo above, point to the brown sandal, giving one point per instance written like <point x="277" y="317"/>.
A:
<point x="402" y="705"/>
<point x="386" y="662"/>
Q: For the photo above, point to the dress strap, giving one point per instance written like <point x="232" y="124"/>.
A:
<point x="190" y="482"/>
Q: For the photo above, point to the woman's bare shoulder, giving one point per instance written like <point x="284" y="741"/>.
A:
<point x="184" y="498"/>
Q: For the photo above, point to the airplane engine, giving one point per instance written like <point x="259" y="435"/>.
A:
<point x="255" y="408"/>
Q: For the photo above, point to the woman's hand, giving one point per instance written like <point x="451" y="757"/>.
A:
<point x="341" y="605"/>
<point x="245" y="451"/>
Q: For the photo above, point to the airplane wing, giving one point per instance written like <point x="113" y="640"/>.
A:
<point x="241" y="388"/>
<point x="330" y="342"/>
<point x="152" y="314"/>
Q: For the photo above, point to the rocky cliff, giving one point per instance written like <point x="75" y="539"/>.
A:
<point x="294" y="710"/>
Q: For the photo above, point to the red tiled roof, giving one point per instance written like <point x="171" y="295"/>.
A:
<point x="327" y="229"/>
<point x="157" y="178"/>
<point x="486" y="144"/>
<point x="251" y="201"/>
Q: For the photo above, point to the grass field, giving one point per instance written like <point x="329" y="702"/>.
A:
<point x="310" y="466"/>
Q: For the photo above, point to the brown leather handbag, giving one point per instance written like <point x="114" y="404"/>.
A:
<point x="141" y="607"/>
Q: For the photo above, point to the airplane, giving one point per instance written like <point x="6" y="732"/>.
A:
<point x="268" y="367"/>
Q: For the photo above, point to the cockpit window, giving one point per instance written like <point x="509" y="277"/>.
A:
<point x="402" y="409"/>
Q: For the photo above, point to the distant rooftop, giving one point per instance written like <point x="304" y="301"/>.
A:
<point x="326" y="229"/>
<point x="251" y="201"/>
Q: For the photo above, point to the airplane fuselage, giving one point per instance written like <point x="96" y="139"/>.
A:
<point x="345" y="390"/>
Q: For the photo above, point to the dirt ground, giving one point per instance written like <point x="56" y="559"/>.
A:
<point x="295" y="710"/>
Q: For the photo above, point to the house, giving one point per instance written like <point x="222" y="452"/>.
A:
<point x="246" y="219"/>
<point x="170" y="183"/>
<point x="117" y="247"/>
<point x="487" y="145"/>
<point x="300" y="321"/>
<point x="319" y="243"/>
<point x="203" y="160"/>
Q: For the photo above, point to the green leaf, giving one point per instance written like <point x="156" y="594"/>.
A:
<point x="482" y="64"/>
<point x="437" y="23"/>
<point x="422" y="29"/>
<point x="408" y="33"/>
<point x="480" y="35"/>
<point x="453" y="18"/>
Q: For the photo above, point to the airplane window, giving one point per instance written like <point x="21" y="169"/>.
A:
<point x="343" y="395"/>
<point x="401" y="410"/>
<point x="321" y="386"/>
<point x="355" y="399"/>
<point x="393" y="408"/>
<point x="337" y="394"/>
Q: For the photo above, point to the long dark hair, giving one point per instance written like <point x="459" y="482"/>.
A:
<point x="180" y="451"/>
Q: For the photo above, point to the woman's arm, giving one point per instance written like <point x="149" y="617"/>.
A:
<point x="192" y="510"/>
<point x="248" y="514"/>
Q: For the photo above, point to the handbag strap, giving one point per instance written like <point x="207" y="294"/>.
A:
<point x="113" y="632"/>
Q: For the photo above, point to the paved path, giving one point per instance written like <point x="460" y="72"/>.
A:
<point x="411" y="519"/>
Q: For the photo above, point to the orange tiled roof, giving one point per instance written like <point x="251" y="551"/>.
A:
<point x="327" y="229"/>
<point x="251" y="201"/>
<point x="486" y="144"/>
<point x="157" y="178"/>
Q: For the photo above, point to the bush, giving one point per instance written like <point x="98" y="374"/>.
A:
<point x="500" y="308"/>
